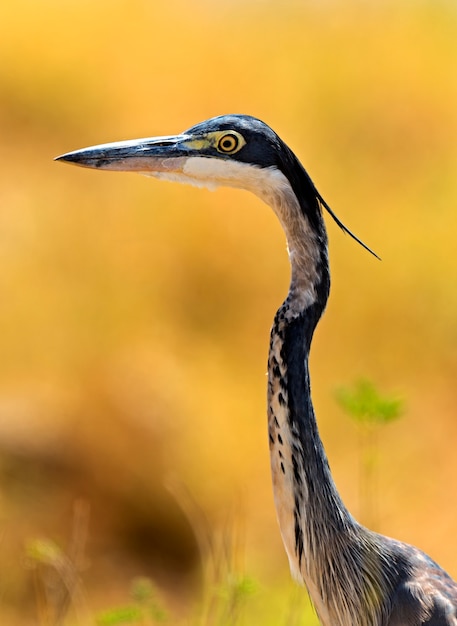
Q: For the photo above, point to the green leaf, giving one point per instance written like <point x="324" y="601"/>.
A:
<point x="365" y="404"/>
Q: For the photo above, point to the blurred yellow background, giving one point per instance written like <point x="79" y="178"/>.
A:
<point x="135" y="314"/>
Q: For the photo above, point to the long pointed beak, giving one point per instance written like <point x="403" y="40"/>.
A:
<point x="154" y="154"/>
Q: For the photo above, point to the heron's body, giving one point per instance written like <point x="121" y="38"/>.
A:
<point x="355" y="577"/>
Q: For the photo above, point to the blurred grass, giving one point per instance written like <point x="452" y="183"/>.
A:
<point x="135" y="314"/>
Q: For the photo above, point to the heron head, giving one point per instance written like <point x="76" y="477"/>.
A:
<point x="229" y="150"/>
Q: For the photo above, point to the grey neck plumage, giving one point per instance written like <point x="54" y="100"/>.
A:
<point x="324" y="544"/>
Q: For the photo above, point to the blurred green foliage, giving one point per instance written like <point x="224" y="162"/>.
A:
<point x="146" y="610"/>
<point x="364" y="403"/>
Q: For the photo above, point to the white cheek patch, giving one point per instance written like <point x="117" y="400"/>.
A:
<point x="213" y="172"/>
<point x="197" y="171"/>
<point x="268" y="183"/>
<point x="220" y="171"/>
<point x="228" y="173"/>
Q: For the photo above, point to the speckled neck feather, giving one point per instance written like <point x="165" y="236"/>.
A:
<point x="322" y="539"/>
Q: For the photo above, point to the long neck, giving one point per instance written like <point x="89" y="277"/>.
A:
<point x="324" y="544"/>
<point x="303" y="486"/>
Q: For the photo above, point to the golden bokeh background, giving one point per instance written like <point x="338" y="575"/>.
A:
<point x="135" y="314"/>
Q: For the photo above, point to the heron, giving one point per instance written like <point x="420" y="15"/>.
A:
<point x="354" y="576"/>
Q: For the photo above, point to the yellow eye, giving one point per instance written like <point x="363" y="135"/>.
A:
<point x="229" y="143"/>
